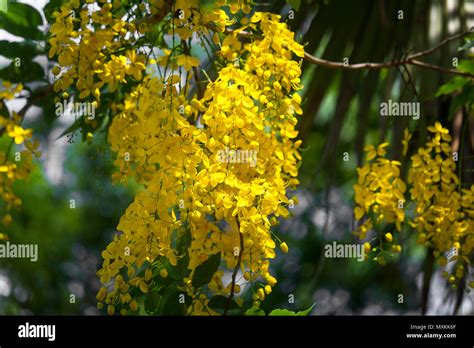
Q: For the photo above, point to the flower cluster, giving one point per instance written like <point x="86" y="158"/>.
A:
<point x="379" y="195"/>
<point x="18" y="168"/>
<point x="168" y="133"/>
<point x="443" y="210"/>
<point x="86" y="43"/>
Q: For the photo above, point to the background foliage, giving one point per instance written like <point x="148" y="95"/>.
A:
<point x="341" y="114"/>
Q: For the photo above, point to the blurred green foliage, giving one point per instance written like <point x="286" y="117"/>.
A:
<point x="341" y="115"/>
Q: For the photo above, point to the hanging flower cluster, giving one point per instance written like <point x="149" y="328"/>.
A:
<point x="215" y="158"/>
<point x="13" y="166"/>
<point x="443" y="211"/>
<point x="379" y="195"/>
<point x="85" y="43"/>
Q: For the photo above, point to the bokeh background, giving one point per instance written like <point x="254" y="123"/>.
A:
<point x="341" y="114"/>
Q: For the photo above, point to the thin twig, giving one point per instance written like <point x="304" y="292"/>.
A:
<point x="441" y="44"/>
<point x="236" y="269"/>
<point x="187" y="51"/>
<point x="408" y="61"/>
<point x="409" y="81"/>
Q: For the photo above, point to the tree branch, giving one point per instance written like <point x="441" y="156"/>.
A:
<point x="157" y="17"/>
<point x="409" y="60"/>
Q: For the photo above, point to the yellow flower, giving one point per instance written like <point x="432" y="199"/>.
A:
<point x="188" y="62"/>
<point x="136" y="66"/>
<point x="101" y="294"/>
<point x="163" y="273"/>
<point x="396" y="248"/>
<point x="9" y="91"/>
<point x="18" y="133"/>
<point x="358" y="212"/>
<point x="284" y="247"/>
<point x="367" y="247"/>
<point x="381" y="149"/>
<point x="7" y="220"/>
<point x="111" y="309"/>
<point x="371" y="152"/>
<point x="133" y="305"/>
<point x="56" y="70"/>
<point x="261" y="294"/>
<point x="438" y="128"/>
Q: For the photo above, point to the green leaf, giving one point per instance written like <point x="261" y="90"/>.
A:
<point x="306" y="311"/>
<point x="184" y="240"/>
<point x="181" y="270"/>
<point x="294" y="4"/>
<point x="151" y="302"/>
<point x="50" y="7"/>
<point x="466" y="97"/>
<point x="25" y="49"/>
<point x="170" y="303"/>
<point x="254" y="311"/>
<point x="27" y="71"/>
<point x="204" y="272"/>
<point x="452" y="85"/>
<point x="282" y="312"/>
<point x="4" y="110"/>
<point x="220" y="302"/>
<point x="3" y="5"/>
<point x="22" y="20"/>
<point x="466" y="66"/>
<point x="469" y="44"/>
<point x="286" y="312"/>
